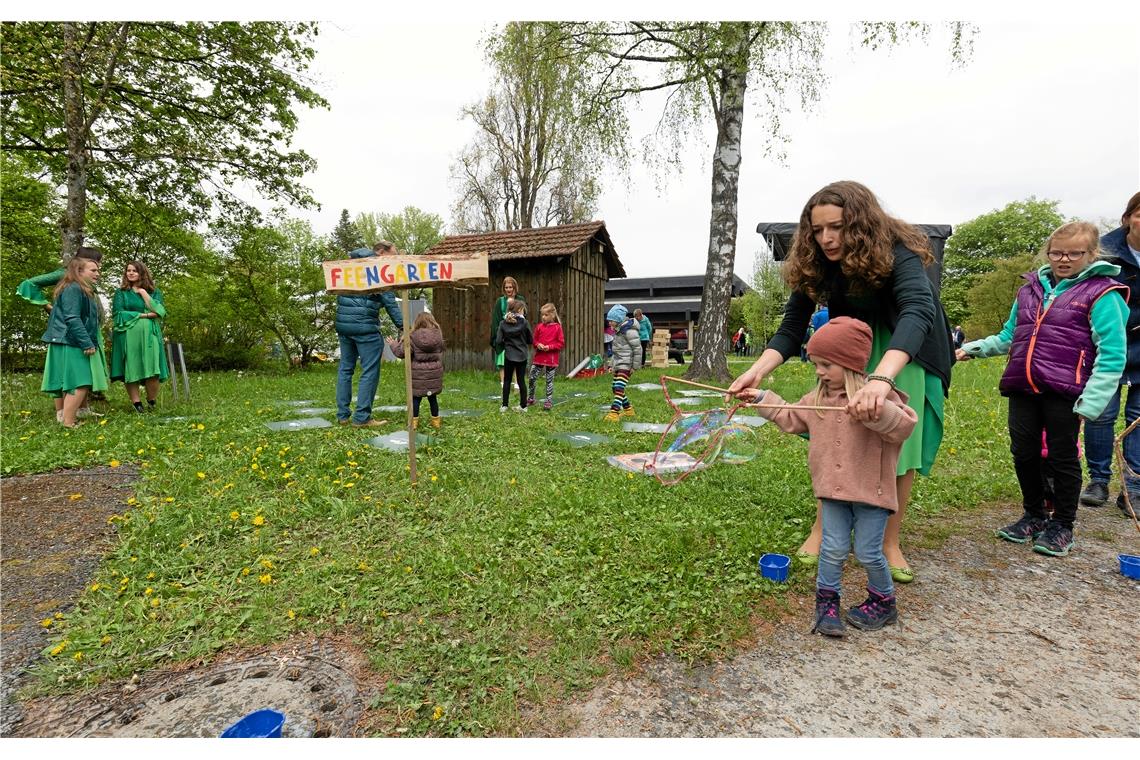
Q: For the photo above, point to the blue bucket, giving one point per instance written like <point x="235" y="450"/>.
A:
<point x="1130" y="566"/>
<point x="774" y="567"/>
<point x="263" y="724"/>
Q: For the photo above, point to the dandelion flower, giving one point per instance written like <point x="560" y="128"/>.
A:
<point x="201" y="426"/>
<point x="168" y="499"/>
<point x="58" y="648"/>
<point x="259" y="520"/>
<point x="434" y="478"/>
<point x="235" y="515"/>
<point x="265" y="579"/>
<point x="105" y="640"/>
<point x="77" y="656"/>
<point x="148" y="591"/>
<point x="438" y="713"/>
<point x="102" y="422"/>
<point x="253" y="466"/>
<point x="267" y="564"/>
<point x="95" y="586"/>
<point x="314" y="551"/>
<point x="114" y="462"/>
<point x="155" y="602"/>
<point x="47" y="622"/>
<point x="75" y="496"/>
<point x="291" y="615"/>
<point x="140" y="451"/>
<point x="201" y="475"/>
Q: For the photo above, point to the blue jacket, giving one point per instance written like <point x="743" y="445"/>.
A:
<point x="1115" y="246"/>
<point x="360" y="315"/>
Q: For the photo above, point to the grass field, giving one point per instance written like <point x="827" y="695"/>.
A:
<point x="518" y="570"/>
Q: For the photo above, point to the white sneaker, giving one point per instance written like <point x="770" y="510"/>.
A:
<point x="503" y="409"/>
<point x="521" y="409"/>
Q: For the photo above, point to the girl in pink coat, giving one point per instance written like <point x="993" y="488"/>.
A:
<point x="548" y="343"/>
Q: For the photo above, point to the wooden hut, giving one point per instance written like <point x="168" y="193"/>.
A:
<point x="567" y="265"/>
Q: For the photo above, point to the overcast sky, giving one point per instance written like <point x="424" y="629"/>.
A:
<point x="1047" y="106"/>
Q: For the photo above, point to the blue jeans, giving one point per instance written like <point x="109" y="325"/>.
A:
<point x="1099" y="439"/>
<point x="368" y="349"/>
<point x="869" y="523"/>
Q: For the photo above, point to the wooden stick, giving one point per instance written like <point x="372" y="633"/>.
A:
<point x="798" y="406"/>
<point x="695" y="385"/>
<point x="406" y="312"/>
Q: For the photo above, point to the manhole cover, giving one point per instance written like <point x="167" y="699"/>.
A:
<point x="318" y="698"/>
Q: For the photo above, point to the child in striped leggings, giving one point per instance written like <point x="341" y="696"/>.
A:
<point x="548" y="343"/>
<point x="627" y="357"/>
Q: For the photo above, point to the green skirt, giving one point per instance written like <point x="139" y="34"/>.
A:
<point x="67" y="368"/>
<point x="924" y="392"/>
<point x="500" y="359"/>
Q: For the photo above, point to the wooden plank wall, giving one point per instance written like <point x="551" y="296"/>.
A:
<point x="574" y="284"/>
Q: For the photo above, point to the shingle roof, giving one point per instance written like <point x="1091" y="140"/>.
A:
<point x="562" y="240"/>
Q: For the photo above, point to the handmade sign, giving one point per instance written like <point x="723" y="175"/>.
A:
<point x="376" y="273"/>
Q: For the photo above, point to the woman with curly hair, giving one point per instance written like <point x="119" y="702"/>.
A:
<point x="137" y="351"/>
<point x="862" y="263"/>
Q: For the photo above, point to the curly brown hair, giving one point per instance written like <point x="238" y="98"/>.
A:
<point x="869" y="238"/>
<point x="146" y="281"/>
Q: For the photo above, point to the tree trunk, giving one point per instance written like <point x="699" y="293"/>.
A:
<point x="75" y="216"/>
<point x="712" y="332"/>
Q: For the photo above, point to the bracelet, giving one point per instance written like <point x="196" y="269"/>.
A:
<point x="888" y="380"/>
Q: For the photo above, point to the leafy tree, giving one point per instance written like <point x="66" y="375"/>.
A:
<point x="764" y="304"/>
<point x="411" y="231"/>
<point x="130" y="228"/>
<point x="169" y="112"/>
<point x="993" y="292"/>
<point x="28" y="247"/>
<point x="708" y="68"/>
<point x="273" y="278"/>
<point x="346" y="236"/>
<point x="535" y="158"/>
<point x="979" y="245"/>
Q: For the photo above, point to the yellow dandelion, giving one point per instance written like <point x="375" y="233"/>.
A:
<point x="245" y="571"/>
<point x="349" y="485"/>
<point x="47" y="622"/>
<point x="150" y="576"/>
<point x="95" y="586"/>
<point x="291" y="615"/>
<point x="267" y="564"/>
<point x="438" y="713"/>
<point x="363" y="566"/>
<point x="58" y="648"/>
<point x="286" y="475"/>
<point x="75" y="496"/>
<point x="201" y="426"/>
<point x="134" y="559"/>
<point x="148" y="591"/>
<point x="434" y="478"/>
<point x="132" y="501"/>
<point x="201" y="475"/>
<point x="102" y="422"/>
<point x="114" y="462"/>
<point x="407" y="568"/>
<point x="265" y="579"/>
<point x="513" y="481"/>
<point x="314" y="551"/>
<point x="105" y="640"/>
<point x="253" y="466"/>
<point x="259" y="520"/>
<point x="155" y="602"/>
<point x="235" y="515"/>
<point x="77" y="656"/>
<point x="140" y="451"/>
<point x="58" y="616"/>
<point x="348" y="453"/>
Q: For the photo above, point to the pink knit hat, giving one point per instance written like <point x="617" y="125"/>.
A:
<point x="844" y="341"/>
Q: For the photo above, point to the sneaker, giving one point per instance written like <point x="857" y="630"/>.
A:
<point x="547" y="405"/>
<point x="827" y="620"/>
<point x="503" y="409"/>
<point x="611" y="416"/>
<point x="1095" y="494"/>
<point x="345" y="421"/>
<point x="530" y="400"/>
<point x="371" y="423"/>
<point x="1024" y="530"/>
<point x="876" y="611"/>
<point x="1055" y="541"/>
<point x="1133" y="497"/>
<point x="522" y="409"/>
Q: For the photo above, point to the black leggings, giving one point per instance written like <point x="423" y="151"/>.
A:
<point x="518" y="369"/>
<point x="433" y="402"/>
<point x="1028" y="416"/>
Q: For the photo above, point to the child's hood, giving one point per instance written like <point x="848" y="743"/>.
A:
<point x="427" y="340"/>
<point x="1101" y="267"/>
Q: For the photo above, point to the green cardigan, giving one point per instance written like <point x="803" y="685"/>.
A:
<point x="74" y="319"/>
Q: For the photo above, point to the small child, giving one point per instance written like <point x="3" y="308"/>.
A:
<point x="627" y="354"/>
<point x="1067" y="346"/>
<point x="852" y="467"/>
<point x="514" y="338"/>
<point x="548" y="343"/>
<point x="427" y="365"/>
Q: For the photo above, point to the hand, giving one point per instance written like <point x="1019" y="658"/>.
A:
<point x="47" y="308"/>
<point x="138" y="290"/>
<point x="867" y="404"/>
<point x="750" y="395"/>
<point x="962" y="356"/>
<point x="88" y="351"/>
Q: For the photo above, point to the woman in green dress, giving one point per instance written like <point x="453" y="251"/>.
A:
<point x="137" y="351"/>
<point x="71" y="335"/>
<point x="510" y="290"/>
<point x="32" y="290"/>
<point x="850" y="254"/>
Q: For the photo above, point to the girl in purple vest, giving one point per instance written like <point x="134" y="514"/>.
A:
<point x="1066" y="344"/>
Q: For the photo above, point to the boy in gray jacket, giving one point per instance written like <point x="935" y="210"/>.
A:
<point x="627" y="357"/>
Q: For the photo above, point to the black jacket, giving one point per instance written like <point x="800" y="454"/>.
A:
<point x="514" y="338"/>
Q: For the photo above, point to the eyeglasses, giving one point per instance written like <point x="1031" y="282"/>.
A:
<point x="1065" y="255"/>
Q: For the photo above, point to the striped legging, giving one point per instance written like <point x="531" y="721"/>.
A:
<point x="621" y="379"/>
<point x="549" y="372"/>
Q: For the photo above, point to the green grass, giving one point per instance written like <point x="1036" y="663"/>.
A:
<point x="518" y="570"/>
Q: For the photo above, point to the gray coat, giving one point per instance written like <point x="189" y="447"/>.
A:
<point x="627" y="346"/>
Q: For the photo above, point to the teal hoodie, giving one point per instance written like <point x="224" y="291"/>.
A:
<point x="1106" y="320"/>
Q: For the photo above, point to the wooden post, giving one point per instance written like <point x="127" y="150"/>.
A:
<point x="406" y="311"/>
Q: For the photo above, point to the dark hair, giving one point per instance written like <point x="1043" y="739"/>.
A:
<point x="146" y="282"/>
<point x="1133" y="203"/>
<point x="89" y="252"/>
<point x="869" y="238"/>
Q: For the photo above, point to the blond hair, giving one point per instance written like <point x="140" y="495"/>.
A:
<point x="425" y="319"/>
<point x="852" y="382"/>
<point x="549" y="308"/>
<point x="1075" y="229"/>
<point x="73" y="274"/>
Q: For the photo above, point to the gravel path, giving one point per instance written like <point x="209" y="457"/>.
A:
<point x="993" y="641"/>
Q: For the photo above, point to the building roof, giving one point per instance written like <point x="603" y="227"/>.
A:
<point x="779" y="236"/>
<point x="538" y="242"/>
<point x="694" y="281"/>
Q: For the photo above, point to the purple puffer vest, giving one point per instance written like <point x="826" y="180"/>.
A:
<point x="1052" y="350"/>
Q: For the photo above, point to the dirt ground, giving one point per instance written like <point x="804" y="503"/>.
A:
<point x="993" y="640"/>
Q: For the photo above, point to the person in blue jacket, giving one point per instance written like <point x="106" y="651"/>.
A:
<point x="358" y="329"/>
<point x="1120" y="247"/>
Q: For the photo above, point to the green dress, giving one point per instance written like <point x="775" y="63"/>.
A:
<point x="924" y="396"/>
<point x="137" y="350"/>
<point x="72" y="327"/>
<point x="32" y="291"/>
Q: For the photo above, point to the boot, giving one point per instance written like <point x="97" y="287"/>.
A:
<point x="436" y="422"/>
<point x="877" y="611"/>
<point x="827" y="621"/>
<point x="415" y="423"/>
